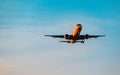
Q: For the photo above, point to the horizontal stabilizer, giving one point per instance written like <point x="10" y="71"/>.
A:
<point x="75" y="41"/>
<point x="65" y="41"/>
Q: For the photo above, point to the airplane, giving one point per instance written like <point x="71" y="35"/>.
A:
<point x="76" y="36"/>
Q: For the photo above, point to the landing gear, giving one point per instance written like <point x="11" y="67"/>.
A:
<point x="82" y="41"/>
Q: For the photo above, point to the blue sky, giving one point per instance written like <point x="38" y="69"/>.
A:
<point x="25" y="51"/>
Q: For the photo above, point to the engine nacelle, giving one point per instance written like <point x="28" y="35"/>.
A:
<point x="87" y="36"/>
<point x="66" y="36"/>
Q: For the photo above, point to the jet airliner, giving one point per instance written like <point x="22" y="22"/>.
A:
<point x="76" y="36"/>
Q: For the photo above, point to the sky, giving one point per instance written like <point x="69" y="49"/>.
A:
<point x="24" y="50"/>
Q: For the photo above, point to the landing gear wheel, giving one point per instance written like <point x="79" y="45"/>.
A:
<point x="82" y="41"/>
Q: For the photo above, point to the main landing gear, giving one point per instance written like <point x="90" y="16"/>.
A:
<point x="82" y="41"/>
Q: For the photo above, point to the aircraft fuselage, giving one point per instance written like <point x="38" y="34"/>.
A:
<point x="76" y="33"/>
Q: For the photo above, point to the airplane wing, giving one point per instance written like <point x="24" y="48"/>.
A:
<point x="55" y="36"/>
<point x="81" y="37"/>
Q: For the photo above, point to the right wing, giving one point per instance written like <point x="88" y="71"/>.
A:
<point x="55" y="36"/>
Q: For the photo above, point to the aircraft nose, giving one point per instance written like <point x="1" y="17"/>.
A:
<point x="79" y="26"/>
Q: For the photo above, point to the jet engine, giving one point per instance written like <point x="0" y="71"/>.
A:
<point x="66" y="36"/>
<point x="87" y="36"/>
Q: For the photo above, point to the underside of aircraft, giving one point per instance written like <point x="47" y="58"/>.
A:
<point x="75" y="36"/>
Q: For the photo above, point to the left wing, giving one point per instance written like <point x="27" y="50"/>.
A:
<point x="55" y="36"/>
<point x="89" y="36"/>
